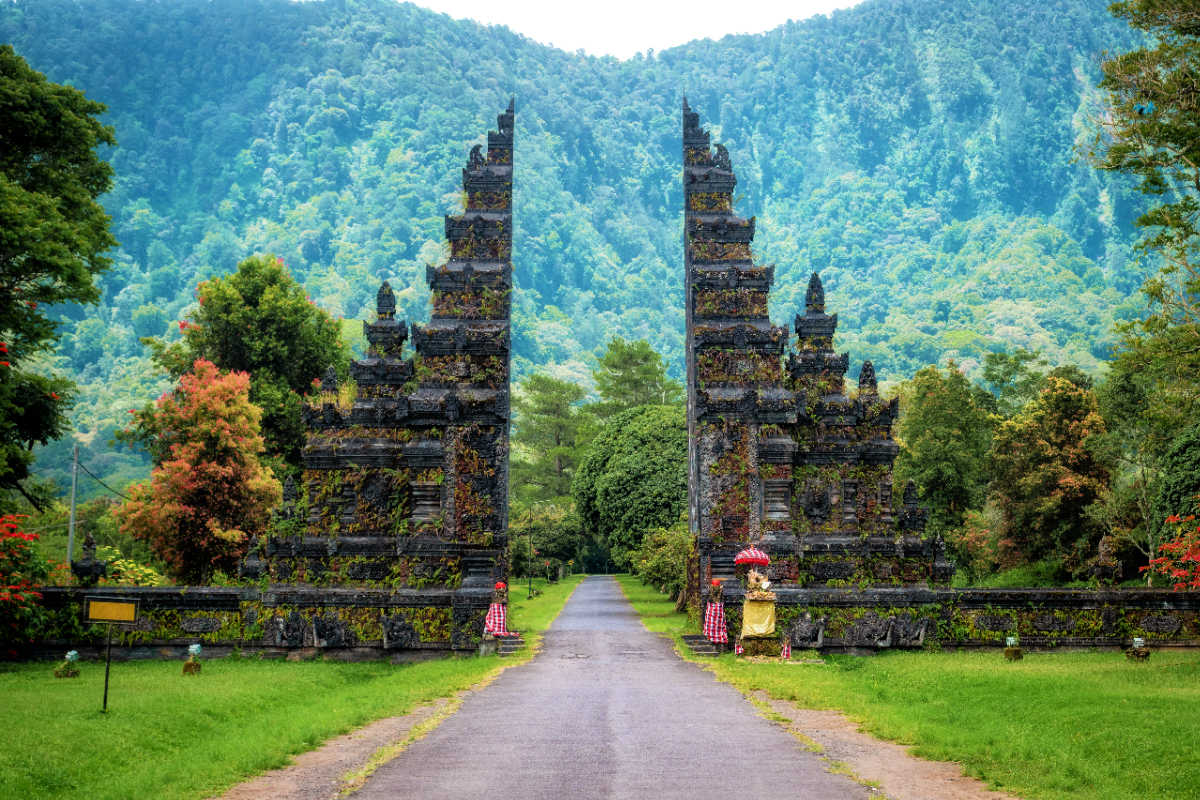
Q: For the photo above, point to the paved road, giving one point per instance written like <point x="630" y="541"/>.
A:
<point x="606" y="710"/>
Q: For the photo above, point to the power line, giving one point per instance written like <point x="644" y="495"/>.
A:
<point x="102" y="483"/>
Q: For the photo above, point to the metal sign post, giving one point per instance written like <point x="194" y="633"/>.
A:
<point x="113" y="611"/>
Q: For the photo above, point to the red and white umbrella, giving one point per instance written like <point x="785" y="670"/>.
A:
<point x="752" y="555"/>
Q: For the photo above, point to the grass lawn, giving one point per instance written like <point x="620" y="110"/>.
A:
<point x="1068" y="724"/>
<point x="170" y="736"/>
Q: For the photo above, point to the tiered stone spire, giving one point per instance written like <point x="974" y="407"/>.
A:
<point x="780" y="458"/>
<point x="735" y="380"/>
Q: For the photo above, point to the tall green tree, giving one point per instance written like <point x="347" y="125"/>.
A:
<point x="1045" y="476"/>
<point x="945" y="434"/>
<point x="259" y="320"/>
<point x="545" y="449"/>
<point x="53" y="236"/>
<point x="632" y="374"/>
<point x="1130" y="442"/>
<point x="633" y="477"/>
<point x="209" y="493"/>
<point x="1152" y="132"/>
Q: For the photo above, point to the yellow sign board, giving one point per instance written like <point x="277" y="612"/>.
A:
<point x="110" y="610"/>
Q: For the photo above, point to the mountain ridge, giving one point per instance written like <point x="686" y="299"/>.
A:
<point x="920" y="154"/>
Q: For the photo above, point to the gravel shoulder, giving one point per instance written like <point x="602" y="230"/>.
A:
<point x="317" y="774"/>
<point x="898" y="773"/>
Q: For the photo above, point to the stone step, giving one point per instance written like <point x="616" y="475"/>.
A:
<point x="700" y="645"/>
<point x="507" y="645"/>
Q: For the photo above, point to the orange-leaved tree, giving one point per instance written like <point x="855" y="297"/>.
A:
<point x="1044" y="475"/>
<point x="209" y="493"/>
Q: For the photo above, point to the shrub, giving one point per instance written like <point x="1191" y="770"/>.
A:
<point x="661" y="559"/>
<point x="124" y="571"/>
<point x="1180" y="559"/>
<point x="21" y="569"/>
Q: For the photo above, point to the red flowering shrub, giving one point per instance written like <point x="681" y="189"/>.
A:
<point x="210" y="492"/>
<point x="1180" y="559"/>
<point x="21" y="569"/>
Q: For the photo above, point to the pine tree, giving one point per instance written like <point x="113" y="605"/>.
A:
<point x="544" y="438"/>
<point x="945" y="436"/>
<point x="632" y="374"/>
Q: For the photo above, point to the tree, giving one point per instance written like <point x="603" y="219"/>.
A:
<point x="557" y="536"/>
<point x="1045" y="476"/>
<point x="258" y="320"/>
<point x="1178" y="490"/>
<point x="1013" y="379"/>
<point x="53" y="236"/>
<point x="1152" y="131"/>
<point x="632" y="374"/>
<point x="545" y="450"/>
<point x="633" y="477"/>
<point x="209" y="492"/>
<point x="945" y="437"/>
<point x="1130" y="442"/>
<point x="1181" y="555"/>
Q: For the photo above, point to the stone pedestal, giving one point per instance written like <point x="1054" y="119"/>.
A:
<point x="761" y="647"/>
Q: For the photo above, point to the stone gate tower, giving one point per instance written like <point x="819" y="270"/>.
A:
<point x="403" y="504"/>
<point x="779" y="455"/>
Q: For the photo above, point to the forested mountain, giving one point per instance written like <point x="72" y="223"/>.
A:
<point x="921" y="154"/>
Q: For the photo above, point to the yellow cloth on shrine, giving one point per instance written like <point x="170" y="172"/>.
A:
<point x="758" y="618"/>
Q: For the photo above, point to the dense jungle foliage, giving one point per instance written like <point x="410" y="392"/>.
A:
<point x="922" y="154"/>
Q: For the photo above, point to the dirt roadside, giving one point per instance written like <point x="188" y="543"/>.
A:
<point x="317" y="774"/>
<point x="898" y="774"/>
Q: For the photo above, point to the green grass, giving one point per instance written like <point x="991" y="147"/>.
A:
<point x="170" y="736"/>
<point x="1069" y="724"/>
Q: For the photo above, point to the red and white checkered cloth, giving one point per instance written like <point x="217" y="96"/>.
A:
<point x="737" y="648"/>
<point x="786" y="649"/>
<point x="714" y="623"/>
<point x="496" y="622"/>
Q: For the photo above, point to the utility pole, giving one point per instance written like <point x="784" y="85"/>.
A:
<point x="71" y="524"/>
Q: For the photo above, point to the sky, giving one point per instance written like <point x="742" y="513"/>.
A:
<point x="623" y="28"/>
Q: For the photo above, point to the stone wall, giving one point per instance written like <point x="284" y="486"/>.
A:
<point x="344" y="622"/>
<point x="366" y="623"/>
